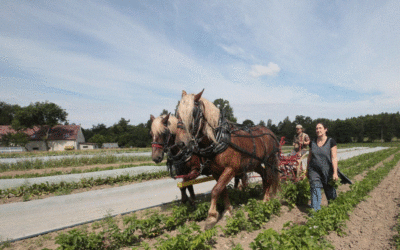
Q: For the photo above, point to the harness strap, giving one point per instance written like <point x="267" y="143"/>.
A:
<point x="157" y="145"/>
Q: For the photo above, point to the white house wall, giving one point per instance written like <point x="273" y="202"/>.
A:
<point x="80" y="138"/>
<point x="87" y="147"/>
<point x="60" y="145"/>
<point x="36" y="145"/>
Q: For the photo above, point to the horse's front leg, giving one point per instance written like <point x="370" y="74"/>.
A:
<point x="192" y="195"/>
<point x="184" y="196"/>
<point x="218" y="189"/>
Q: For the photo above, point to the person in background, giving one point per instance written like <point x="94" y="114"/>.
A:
<point x="322" y="166"/>
<point x="300" y="141"/>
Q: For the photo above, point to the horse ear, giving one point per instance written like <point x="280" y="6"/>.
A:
<point x="165" y="120"/>
<point x="152" y="118"/>
<point x="198" y="96"/>
<point x="183" y="93"/>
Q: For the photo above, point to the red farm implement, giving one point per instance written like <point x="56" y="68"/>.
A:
<point x="290" y="165"/>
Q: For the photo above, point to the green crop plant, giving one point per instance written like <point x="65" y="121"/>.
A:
<point x="189" y="237"/>
<point x="260" y="212"/>
<point x="297" y="193"/>
<point x="237" y="223"/>
<point x="78" y="152"/>
<point x="67" y="187"/>
<point x="71" y="162"/>
<point x="330" y="218"/>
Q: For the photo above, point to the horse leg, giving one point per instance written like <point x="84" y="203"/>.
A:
<point x="223" y="180"/>
<point x="228" y="208"/>
<point x="192" y="195"/>
<point x="270" y="177"/>
<point x="184" y="196"/>
<point x="236" y="185"/>
<point x="245" y="181"/>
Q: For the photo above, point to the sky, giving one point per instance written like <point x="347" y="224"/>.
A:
<point x="106" y="60"/>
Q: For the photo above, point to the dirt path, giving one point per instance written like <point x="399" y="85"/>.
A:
<point x="371" y="222"/>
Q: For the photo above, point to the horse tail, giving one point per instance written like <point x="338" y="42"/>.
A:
<point x="271" y="170"/>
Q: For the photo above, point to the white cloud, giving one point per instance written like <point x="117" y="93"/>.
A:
<point x="122" y="66"/>
<point x="259" y="70"/>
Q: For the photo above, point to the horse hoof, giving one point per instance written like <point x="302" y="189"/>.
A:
<point x="227" y="214"/>
<point x="210" y="223"/>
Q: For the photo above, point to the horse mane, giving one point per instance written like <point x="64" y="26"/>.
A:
<point x="211" y="114"/>
<point x="157" y="127"/>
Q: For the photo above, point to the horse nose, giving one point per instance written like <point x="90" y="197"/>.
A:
<point x="157" y="159"/>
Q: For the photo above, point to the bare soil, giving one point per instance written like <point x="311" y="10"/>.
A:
<point x="370" y="226"/>
<point x="372" y="222"/>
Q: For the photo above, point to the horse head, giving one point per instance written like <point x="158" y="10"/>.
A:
<point x="162" y="129"/>
<point x="198" y="116"/>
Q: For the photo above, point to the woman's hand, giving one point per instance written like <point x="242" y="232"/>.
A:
<point x="335" y="177"/>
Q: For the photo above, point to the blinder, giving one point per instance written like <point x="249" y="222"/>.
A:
<point x="162" y="145"/>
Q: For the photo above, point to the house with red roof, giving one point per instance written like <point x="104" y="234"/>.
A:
<point x="60" y="137"/>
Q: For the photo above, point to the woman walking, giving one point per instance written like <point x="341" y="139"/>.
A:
<point x="322" y="166"/>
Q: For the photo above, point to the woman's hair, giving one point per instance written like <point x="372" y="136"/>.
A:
<point x="323" y="125"/>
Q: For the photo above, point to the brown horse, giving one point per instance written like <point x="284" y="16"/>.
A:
<point x="163" y="132"/>
<point x="252" y="149"/>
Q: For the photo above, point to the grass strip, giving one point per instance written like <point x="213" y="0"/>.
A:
<point x="363" y="162"/>
<point x="72" y="152"/>
<point x="369" y="144"/>
<point x="71" y="162"/>
<point x="62" y="188"/>
<point x="330" y="218"/>
<point x="76" y="171"/>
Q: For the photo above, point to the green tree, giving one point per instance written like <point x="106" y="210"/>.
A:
<point x="262" y="123"/>
<point x="45" y="115"/>
<point x="306" y="122"/>
<point x="343" y="131"/>
<point x="248" y="123"/>
<point x="164" y="112"/>
<point x="7" y="113"/>
<point x="15" y="139"/>
<point x="272" y="127"/>
<point x="287" y="129"/>
<point x="225" y="108"/>
<point x="98" y="139"/>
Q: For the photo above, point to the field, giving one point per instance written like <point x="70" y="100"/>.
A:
<point x="364" y="216"/>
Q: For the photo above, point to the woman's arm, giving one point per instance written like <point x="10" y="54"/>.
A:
<point x="309" y="158"/>
<point x="334" y="162"/>
<point x="308" y="162"/>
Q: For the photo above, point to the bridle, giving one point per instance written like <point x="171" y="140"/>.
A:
<point x="162" y="145"/>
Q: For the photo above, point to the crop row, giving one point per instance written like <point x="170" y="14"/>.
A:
<point x="71" y="162"/>
<point x="330" y="218"/>
<point x="75" y="171"/>
<point x="27" y="192"/>
<point x="353" y="166"/>
<point x="293" y="195"/>
<point x="250" y="214"/>
<point x="73" y="152"/>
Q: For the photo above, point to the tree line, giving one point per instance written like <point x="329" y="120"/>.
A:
<point x="369" y="128"/>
